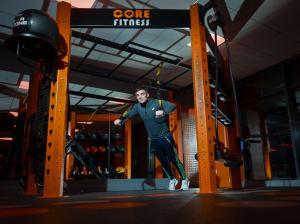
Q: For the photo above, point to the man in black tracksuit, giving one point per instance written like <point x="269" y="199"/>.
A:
<point x="154" y="115"/>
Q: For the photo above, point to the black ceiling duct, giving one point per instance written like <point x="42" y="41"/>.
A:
<point x="35" y="35"/>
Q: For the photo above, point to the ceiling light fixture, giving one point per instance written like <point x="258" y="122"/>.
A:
<point x="116" y="102"/>
<point x="84" y="122"/>
<point x="6" y="139"/>
<point x="24" y="85"/>
<point x="15" y="114"/>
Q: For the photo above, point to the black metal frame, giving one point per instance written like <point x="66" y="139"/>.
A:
<point x="125" y="47"/>
<point x="109" y="75"/>
<point x="177" y="61"/>
<point x="85" y="56"/>
<point x="225" y="120"/>
<point x="131" y="50"/>
<point x="99" y="97"/>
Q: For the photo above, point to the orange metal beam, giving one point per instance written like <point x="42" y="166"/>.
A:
<point x="128" y="149"/>
<point x="97" y="117"/>
<point x="57" y="122"/>
<point x="158" y="169"/>
<point x="202" y="102"/>
<point x="175" y="127"/>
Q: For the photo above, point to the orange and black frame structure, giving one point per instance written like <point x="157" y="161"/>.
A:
<point x="202" y="102"/>
<point x="57" y="121"/>
<point x="128" y="146"/>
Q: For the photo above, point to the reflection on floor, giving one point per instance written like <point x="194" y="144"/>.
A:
<point x="268" y="205"/>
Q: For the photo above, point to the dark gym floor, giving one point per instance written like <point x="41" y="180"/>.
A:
<point x="256" y="205"/>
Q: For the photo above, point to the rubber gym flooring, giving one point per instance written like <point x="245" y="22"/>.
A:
<point x="255" y="205"/>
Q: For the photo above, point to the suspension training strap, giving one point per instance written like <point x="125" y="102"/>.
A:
<point x="157" y="82"/>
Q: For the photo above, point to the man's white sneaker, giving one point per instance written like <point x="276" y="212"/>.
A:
<point x="172" y="184"/>
<point x="185" y="185"/>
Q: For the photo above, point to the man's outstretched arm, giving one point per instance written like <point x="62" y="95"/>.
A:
<point x="127" y="115"/>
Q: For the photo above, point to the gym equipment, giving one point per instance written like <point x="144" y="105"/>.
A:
<point x="230" y="159"/>
<point x="35" y="35"/>
<point x="72" y="146"/>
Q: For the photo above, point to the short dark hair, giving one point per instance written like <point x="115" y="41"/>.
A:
<point x="141" y="88"/>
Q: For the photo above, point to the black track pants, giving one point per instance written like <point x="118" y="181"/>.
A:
<point x="164" y="149"/>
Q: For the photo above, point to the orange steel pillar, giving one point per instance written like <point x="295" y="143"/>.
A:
<point x="32" y="102"/>
<point x="202" y="102"/>
<point x="128" y="149"/>
<point x="70" y="157"/>
<point x="57" y="122"/>
<point x="158" y="169"/>
<point x="97" y="117"/>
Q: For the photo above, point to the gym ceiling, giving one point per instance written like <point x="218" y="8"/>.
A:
<point x="262" y="33"/>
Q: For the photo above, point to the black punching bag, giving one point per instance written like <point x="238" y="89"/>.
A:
<point x="35" y="35"/>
